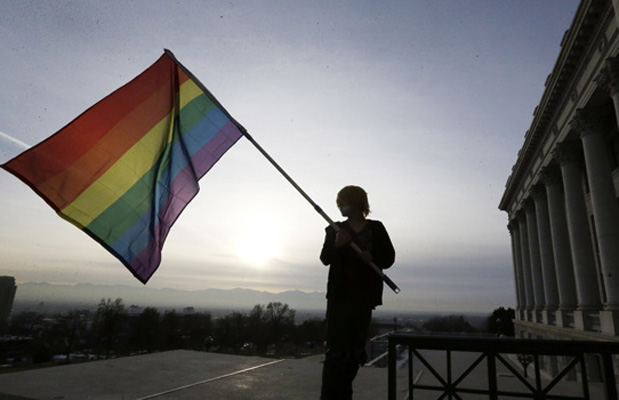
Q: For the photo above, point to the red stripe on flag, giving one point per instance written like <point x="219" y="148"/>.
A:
<point x="61" y="150"/>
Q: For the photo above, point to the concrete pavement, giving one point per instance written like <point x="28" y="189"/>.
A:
<point x="184" y="375"/>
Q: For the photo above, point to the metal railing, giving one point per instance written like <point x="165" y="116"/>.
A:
<point x="500" y="356"/>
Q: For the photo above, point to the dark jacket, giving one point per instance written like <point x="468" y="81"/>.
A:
<point x="350" y="278"/>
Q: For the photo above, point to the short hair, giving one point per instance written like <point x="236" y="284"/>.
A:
<point x="354" y="196"/>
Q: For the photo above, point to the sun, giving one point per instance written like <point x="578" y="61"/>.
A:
<point x="258" y="244"/>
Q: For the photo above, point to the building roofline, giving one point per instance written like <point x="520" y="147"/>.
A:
<point x="559" y="85"/>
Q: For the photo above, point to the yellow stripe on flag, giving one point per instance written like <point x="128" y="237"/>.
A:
<point x="189" y="91"/>
<point x="128" y="169"/>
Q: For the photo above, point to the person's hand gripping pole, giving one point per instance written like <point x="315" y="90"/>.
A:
<point x="361" y="252"/>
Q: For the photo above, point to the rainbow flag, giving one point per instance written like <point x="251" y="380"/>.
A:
<point x="124" y="170"/>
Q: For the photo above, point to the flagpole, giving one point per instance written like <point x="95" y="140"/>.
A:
<point x="319" y="210"/>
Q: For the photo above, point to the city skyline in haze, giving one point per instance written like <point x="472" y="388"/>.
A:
<point x="424" y="104"/>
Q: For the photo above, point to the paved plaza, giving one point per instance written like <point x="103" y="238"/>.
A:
<point x="188" y="375"/>
<point x="184" y="375"/>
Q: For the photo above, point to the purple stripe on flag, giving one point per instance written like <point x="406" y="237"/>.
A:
<point x="208" y="155"/>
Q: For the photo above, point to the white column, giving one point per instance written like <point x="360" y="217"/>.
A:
<point x="603" y="200"/>
<point x="616" y="7"/>
<point x="608" y="79"/>
<point x="560" y="239"/>
<point x="526" y="262"/>
<point x="514" y="231"/>
<point x="534" y="254"/>
<point x="551" y="292"/>
<point x="578" y="226"/>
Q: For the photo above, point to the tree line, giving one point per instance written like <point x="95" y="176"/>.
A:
<point x="266" y="330"/>
<point x="110" y="331"/>
<point x="499" y="323"/>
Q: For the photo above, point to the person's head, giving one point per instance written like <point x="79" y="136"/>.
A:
<point x="353" y="196"/>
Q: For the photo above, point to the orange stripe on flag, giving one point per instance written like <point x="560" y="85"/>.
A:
<point x="63" y="188"/>
<point x="79" y="136"/>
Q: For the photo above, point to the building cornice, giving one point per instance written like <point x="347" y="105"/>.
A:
<point x="577" y="43"/>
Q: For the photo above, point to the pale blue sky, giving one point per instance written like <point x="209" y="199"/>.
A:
<point x="423" y="103"/>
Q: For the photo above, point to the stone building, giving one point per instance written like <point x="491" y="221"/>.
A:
<point x="7" y="295"/>
<point x="562" y="195"/>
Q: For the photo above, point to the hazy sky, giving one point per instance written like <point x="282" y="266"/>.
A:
<point x="423" y="103"/>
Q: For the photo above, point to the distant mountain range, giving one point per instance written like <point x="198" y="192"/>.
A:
<point x="85" y="295"/>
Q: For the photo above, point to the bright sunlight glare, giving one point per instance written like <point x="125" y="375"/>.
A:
<point x="259" y="243"/>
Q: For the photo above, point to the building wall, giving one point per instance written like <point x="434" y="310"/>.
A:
<point x="7" y="295"/>
<point x="562" y="197"/>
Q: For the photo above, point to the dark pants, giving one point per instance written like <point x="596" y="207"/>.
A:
<point x="347" y="330"/>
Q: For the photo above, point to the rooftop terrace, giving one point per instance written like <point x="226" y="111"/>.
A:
<point x="184" y="375"/>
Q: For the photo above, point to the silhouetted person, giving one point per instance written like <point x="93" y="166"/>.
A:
<point x="354" y="289"/>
